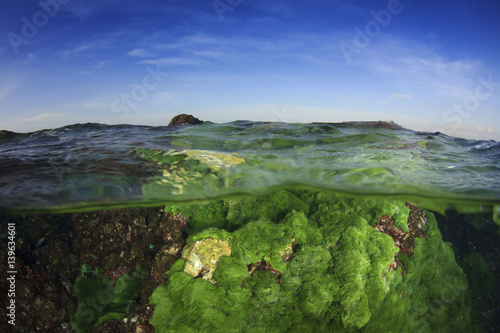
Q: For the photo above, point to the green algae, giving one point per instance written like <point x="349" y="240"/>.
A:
<point x="312" y="261"/>
<point x="100" y="300"/>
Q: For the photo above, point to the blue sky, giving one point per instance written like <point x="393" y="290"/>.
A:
<point x="427" y="65"/>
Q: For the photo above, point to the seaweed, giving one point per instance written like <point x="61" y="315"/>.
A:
<point x="314" y="261"/>
<point x="100" y="300"/>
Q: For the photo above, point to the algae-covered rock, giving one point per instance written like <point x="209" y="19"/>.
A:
<point x="203" y="256"/>
<point x="216" y="160"/>
<point x="316" y="263"/>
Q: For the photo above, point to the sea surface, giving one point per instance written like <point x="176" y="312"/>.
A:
<point x="92" y="166"/>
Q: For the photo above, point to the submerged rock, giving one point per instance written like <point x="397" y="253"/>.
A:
<point x="45" y="267"/>
<point x="203" y="256"/>
<point x="76" y="269"/>
<point x="113" y="245"/>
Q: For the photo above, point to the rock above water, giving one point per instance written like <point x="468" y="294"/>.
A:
<point x="182" y="119"/>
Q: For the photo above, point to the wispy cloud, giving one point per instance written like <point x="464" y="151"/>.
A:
<point x="140" y="53"/>
<point x="171" y="61"/>
<point x="211" y="54"/>
<point x="399" y="96"/>
<point x="84" y="9"/>
<point x="486" y="129"/>
<point x="419" y="68"/>
<point x="204" y="48"/>
<point x="76" y="50"/>
<point x="45" y="116"/>
<point x="309" y="48"/>
<point x="472" y="132"/>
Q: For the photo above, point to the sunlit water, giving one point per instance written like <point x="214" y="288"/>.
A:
<point x="88" y="166"/>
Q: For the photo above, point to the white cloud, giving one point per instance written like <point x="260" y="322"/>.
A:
<point x="84" y="9"/>
<point x="139" y="53"/>
<point x="311" y="48"/>
<point x="399" y="96"/>
<point x="76" y="50"/>
<point x="416" y="67"/>
<point x="171" y="61"/>
<point x="485" y="129"/>
<point x="471" y="132"/>
<point x="46" y="116"/>
<point x="211" y="54"/>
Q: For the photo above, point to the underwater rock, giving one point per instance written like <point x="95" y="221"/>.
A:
<point x="42" y="301"/>
<point x="45" y="268"/>
<point x="115" y="242"/>
<point x="405" y="241"/>
<point x="203" y="256"/>
<point x="216" y="160"/>
<point x="183" y="119"/>
<point x="57" y="255"/>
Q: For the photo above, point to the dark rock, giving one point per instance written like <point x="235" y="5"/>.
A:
<point x="43" y="302"/>
<point x="52" y="250"/>
<point x="182" y="119"/>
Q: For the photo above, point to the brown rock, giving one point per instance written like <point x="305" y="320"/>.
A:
<point x="51" y="251"/>
<point x="182" y="119"/>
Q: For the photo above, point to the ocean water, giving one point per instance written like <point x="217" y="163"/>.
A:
<point x="92" y="166"/>
<point x="58" y="187"/>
